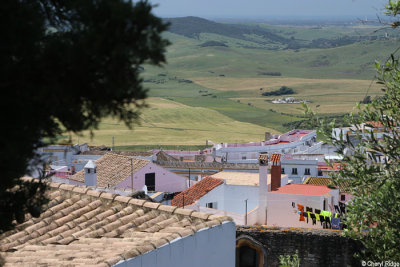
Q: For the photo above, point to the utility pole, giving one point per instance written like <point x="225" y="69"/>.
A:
<point x="245" y="221"/>
<point x="131" y="172"/>
<point x="113" y="143"/>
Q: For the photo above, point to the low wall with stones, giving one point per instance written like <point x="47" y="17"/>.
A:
<point x="315" y="247"/>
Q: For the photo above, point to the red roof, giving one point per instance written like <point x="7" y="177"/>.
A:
<point x="282" y="142"/>
<point x="276" y="157"/>
<point x="375" y="124"/>
<point x="194" y="193"/>
<point x="303" y="189"/>
<point x="336" y="167"/>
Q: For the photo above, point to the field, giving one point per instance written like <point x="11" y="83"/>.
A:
<point x="211" y="86"/>
<point x="167" y="122"/>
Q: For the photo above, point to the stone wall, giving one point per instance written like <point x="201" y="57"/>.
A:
<point x="315" y="247"/>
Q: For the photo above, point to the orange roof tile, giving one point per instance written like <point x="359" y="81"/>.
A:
<point x="343" y="186"/>
<point x="194" y="193"/>
<point x="303" y="189"/>
<point x="81" y="226"/>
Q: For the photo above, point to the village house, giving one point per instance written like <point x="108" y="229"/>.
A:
<point x="84" y="227"/>
<point x="282" y="204"/>
<point x="235" y="194"/>
<point x="294" y="141"/>
<point x="299" y="166"/>
<point x="122" y="172"/>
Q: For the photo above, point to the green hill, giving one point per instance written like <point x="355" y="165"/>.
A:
<point x="212" y="85"/>
<point x="192" y="27"/>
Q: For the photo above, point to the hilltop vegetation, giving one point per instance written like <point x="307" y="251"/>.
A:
<point x="284" y="90"/>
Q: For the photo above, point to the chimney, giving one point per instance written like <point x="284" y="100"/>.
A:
<point x="262" y="188"/>
<point x="276" y="171"/>
<point x="90" y="174"/>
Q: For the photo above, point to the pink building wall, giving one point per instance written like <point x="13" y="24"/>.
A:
<point x="165" y="181"/>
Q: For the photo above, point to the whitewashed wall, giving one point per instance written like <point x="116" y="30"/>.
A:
<point x="232" y="198"/>
<point x="280" y="211"/>
<point x="212" y="247"/>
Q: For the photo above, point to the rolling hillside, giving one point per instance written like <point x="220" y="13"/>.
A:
<point x="211" y="86"/>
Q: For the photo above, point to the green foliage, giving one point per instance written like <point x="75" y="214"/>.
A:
<point x="213" y="43"/>
<point x="371" y="166"/>
<point x="289" y="261"/>
<point x="366" y="100"/>
<point x="284" y="90"/>
<point x="64" y="66"/>
<point x="270" y="73"/>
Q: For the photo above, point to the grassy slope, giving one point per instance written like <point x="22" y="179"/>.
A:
<point x="168" y="122"/>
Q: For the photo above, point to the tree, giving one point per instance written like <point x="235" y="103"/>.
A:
<point x="371" y="165"/>
<point x="64" y="65"/>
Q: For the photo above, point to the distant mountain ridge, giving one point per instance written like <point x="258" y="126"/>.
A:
<point x="192" y="27"/>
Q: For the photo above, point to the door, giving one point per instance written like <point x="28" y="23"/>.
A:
<point x="150" y="181"/>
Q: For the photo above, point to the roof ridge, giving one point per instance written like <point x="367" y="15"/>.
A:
<point x="79" y="189"/>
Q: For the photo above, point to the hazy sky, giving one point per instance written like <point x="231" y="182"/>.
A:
<point x="265" y="8"/>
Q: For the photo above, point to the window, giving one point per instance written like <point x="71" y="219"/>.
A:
<point x="319" y="173"/>
<point x="342" y="198"/>
<point x="283" y="171"/>
<point x="243" y="157"/>
<point x="88" y="170"/>
<point x="150" y="181"/>
<point x="307" y="171"/>
<point x="211" y="205"/>
<point x="294" y="171"/>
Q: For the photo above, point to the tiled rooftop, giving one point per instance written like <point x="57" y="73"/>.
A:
<point x="81" y="227"/>
<point x="112" y="169"/>
<point x="124" y="153"/>
<point x="303" y="189"/>
<point x="194" y="193"/>
<point x="239" y="178"/>
<point x="343" y="186"/>
<point x="162" y="156"/>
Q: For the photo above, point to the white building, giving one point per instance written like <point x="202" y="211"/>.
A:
<point x="299" y="166"/>
<point x="236" y="194"/>
<point x="294" y="141"/>
<point x="282" y="204"/>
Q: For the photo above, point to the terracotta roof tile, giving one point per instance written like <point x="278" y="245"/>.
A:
<point x="343" y="186"/>
<point x="194" y="193"/>
<point x="81" y="228"/>
<point x="303" y="189"/>
<point x="112" y="169"/>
